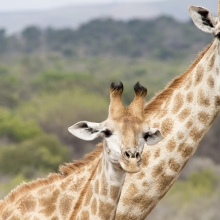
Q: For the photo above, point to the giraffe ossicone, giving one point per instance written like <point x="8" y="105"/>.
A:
<point x="90" y="188"/>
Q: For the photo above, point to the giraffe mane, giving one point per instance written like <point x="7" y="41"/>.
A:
<point x="156" y="102"/>
<point x="64" y="171"/>
<point x="70" y="168"/>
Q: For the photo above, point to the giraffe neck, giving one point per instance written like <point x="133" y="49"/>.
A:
<point x="184" y="112"/>
<point x="103" y="192"/>
<point x="189" y="112"/>
<point x="88" y="189"/>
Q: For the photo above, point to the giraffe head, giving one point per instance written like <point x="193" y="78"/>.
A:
<point x="124" y="132"/>
<point x="205" y="21"/>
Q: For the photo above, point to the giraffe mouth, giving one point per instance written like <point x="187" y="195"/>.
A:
<point x="131" y="165"/>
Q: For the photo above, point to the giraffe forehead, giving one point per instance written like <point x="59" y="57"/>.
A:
<point x="128" y="128"/>
<point x="129" y="123"/>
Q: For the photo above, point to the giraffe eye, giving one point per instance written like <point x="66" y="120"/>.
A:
<point x="107" y="133"/>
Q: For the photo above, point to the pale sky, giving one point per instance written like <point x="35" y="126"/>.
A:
<point x="24" y="5"/>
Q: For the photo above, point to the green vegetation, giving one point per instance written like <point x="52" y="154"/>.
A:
<point x="40" y="154"/>
<point x="161" y="38"/>
<point x="50" y="79"/>
<point x="15" y="128"/>
<point x="202" y="184"/>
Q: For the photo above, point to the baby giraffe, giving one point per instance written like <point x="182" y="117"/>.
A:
<point x="89" y="188"/>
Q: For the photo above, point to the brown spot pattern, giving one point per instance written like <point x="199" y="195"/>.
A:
<point x="27" y="204"/>
<point x="189" y="97"/>
<point x="171" y="144"/>
<point x="184" y="114"/>
<point x="217" y="71"/>
<point x="210" y="82"/>
<point x="158" y="169"/>
<point x="130" y="193"/>
<point x="199" y="74"/>
<point x="188" y="84"/>
<point x="94" y="206"/>
<point x="174" y="166"/>
<point x="65" y="205"/>
<point x="48" y="210"/>
<point x="203" y="117"/>
<point x="141" y="175"/>
<point x="211" y="62"/>
<point x="157" y="153"/>
<point x="167" y="126"/>
<point x="141" y="201"/>
<point x="77" y="185"/>
<point x="132" y="190"/>
<point x="145" y="183"/>
<point x="137" y="200"/>
<point x="189" y="124"/>
<point x="88" y="196"/>
<point x="196" y="134"/>
<point x="164" y="181"/>
<point x="48" y="203"/>
<point x="130" y="216"/>
<point x="156" y="125"/>
<point x="105" y="210"/>
<point x="185" y="150"/>
<point x="180" y="135"/>
<point x="145" y="158"/>
<point x="178" y="103"/>
<point x="84" y="215"/>
<point x="202" y="100"/>
<point x="6" y="214"/>
<point x="97" y="187"/>
<point x="66" y="183"/>
<point x="114" y="192"/>
<point x="104" y="186"/>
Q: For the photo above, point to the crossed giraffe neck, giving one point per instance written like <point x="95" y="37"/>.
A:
<point x="90" y="188"/>
<point x="184" y="112"/>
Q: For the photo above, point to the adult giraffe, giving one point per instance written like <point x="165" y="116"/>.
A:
<point x="184" y="112"/>
<point x="89" y="189"/>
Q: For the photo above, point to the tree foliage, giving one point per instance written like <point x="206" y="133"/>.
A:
<point x="51" y="79"/>
<point x="161" y="38"/>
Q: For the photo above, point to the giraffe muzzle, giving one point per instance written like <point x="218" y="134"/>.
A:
<point x="131" y="160"/>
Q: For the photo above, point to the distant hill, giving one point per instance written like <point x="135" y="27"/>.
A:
<point x="75" y="15"/>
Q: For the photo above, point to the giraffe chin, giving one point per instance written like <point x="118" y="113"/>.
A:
<point x="132" y="165"/>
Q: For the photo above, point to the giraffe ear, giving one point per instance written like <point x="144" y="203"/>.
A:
<point x="85" y="130"/>
<point x="203" y="18"/>
<point x="153" y="136"/>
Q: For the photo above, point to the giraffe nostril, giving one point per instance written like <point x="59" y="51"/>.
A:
<point x="127" y="154"/>
<point x="131" y="153"/>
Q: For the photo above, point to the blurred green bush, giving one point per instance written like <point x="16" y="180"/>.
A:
<point x="42" y="154"/>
